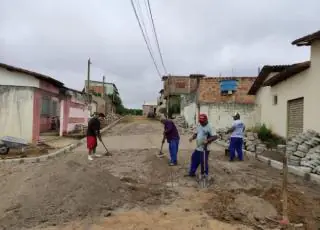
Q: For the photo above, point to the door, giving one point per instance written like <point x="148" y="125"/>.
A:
<point x="295" y="117"/>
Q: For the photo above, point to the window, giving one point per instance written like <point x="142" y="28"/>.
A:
<point x="228" y="87"/>
<point x="54" y="108"/>
<point x="275" y="99"/>
<point x="45" y="106"/>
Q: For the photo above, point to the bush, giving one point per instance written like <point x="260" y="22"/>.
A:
<point x="270" y="139"/>
<point x="264" y="133"/>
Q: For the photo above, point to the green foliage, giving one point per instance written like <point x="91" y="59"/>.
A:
<point x="96" y="94"/>
<point x="120" y="109"/>
<point x="266" y="135"/>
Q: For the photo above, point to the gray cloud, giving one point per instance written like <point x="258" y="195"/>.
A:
<point x="211" y="37"/>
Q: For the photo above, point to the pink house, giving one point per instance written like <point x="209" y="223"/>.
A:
<point x="33" y="103"/>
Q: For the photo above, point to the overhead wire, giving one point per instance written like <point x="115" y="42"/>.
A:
<point x="156" y="36"/>
<point x="145" y="39"/>
<point x="140" y="13"/>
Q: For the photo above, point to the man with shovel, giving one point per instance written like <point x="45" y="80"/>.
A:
<point x="203" y="136"/>
<point x="172" y="135"/>
<point x="93" y="133"/>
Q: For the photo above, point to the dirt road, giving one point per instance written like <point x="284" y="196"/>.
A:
<point x="133" y="189"/>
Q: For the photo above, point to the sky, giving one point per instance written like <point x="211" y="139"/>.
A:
<point x="211" y="37"/>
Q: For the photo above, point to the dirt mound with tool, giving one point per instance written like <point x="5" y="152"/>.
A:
<point x="73" y="189"/>
<point x="260" y="207"/>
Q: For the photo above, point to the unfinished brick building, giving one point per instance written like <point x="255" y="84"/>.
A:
<point x="220" y="98"/>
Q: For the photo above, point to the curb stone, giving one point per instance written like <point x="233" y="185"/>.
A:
<point x="298" y="171"/>
<point x="57" y="153"/>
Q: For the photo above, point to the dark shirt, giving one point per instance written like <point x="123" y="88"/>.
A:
<point x="93" y="127"/>
<point x="171" y="131"/>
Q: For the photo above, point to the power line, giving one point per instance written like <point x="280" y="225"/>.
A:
<point x="156" y="36"/>
<point x="145" y="39"/>
<point x="140" y="12"/>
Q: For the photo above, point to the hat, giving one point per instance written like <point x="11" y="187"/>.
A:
<point x="203" y="118"/>
<point x="236" y="114"/>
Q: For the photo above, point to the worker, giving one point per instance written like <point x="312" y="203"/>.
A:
<point x="236" y="139"/>
<point x="93" y="132"/>
<point x="204" y="136"/>
<point x="172" y="135"/>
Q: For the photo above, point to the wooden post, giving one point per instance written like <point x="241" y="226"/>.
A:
<point x="285" y="219"/>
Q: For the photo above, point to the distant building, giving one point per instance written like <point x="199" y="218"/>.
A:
<point x="97" y="87"/>
<point x="149" y="108"/>
<point x="110" y="90"/>
<point x="218" y="97"/>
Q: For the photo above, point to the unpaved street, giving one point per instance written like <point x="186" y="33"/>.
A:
<point x="133" y="189"/>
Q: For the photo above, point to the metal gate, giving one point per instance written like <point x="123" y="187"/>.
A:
<point x="295" y="117"/>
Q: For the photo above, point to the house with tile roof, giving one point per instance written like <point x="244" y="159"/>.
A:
<point x="286" y="95"/>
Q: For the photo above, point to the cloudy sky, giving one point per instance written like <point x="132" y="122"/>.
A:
<point x="56" y="37"/>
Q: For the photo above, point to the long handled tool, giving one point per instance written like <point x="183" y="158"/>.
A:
<point x="161" y="154"/>
<point x="107" y="151"/>
<point x="203" y="178"/>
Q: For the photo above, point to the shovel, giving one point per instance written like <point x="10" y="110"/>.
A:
<point x="107" y="151"/>
<point x="161" y="154"/>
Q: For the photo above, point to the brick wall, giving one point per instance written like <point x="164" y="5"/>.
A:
<point x="97" y="89"/>
<point x="176" y="85"/>
<point x="209" y="89"/>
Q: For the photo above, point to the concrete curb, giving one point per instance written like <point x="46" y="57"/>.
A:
<point x="298" y="171"/>
<point x="57" y="153"/>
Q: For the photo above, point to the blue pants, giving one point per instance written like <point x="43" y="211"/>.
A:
<point x="173" y="150"/>
<point x="196" y="160"/>
<point x="236" y="144"/>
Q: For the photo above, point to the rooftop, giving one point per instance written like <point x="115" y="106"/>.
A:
<point x="307" y="40"/>
<point x="287" y="73"/>
<point x="32" y="73"/>
<point x="101" y="82"/>
<point x="264" y="73"/>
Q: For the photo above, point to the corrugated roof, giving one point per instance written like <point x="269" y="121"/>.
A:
<point x="264" y="73"/>
<point x="31" y="73"/>
<point x="287" y="73"/>
<point x="307" y="40"/>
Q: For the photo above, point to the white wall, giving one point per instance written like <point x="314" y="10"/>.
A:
<point x="220" y="115"/>
<point x="17" y="79"/>
<point x="305" y="84"/>
<point x="188" y="112"/>
<point x="16" y="112"/>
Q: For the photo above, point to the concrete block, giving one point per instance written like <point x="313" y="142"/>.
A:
<point x="315" y="178"/>
<point x="276" y="164"/>
<point x="263" y="159"/>
<point x="295" y="171"/>
<point x="42" y="158"/>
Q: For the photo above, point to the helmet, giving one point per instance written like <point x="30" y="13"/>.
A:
<point x="203" y="118"/>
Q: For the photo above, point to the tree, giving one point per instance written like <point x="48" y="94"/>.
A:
<point x="120" y="109"/>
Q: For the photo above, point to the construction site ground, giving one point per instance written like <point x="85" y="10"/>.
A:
<point x="134" y="189"/>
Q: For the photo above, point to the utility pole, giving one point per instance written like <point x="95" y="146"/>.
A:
<point x="103" y="94"/>
<point x="88" y="87"/>
<point x="88" y="77"/>
<point x="103" y="89"/>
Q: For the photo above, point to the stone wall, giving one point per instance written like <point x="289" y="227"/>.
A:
<point x="304" y="151"/>
<point x="251" y="141"/>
